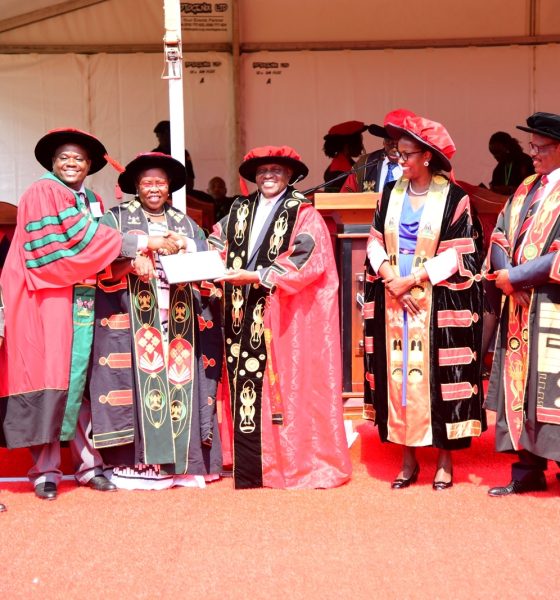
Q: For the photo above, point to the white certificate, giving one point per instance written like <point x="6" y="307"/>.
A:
<point x="193" y="266"/>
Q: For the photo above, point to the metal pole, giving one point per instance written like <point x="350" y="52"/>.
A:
<point x="239" y="141"/>
<point x="172" y="45"/>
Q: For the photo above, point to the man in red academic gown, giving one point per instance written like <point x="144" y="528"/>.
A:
<point x="48" y="284"/>
<point x="282" y="332"/>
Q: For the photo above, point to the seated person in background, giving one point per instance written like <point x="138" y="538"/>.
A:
<point x="222" y="202"/>
<point x="343" y="142"/>
<point x="372" y="171"/>
<point x="513" y="164"/>
<point x="163" y="134"/>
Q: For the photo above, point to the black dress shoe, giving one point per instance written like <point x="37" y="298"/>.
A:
<point x="101" y="484"/>
<point x="3" y="507"/>
<point x="46" y="491"/>
<point x="519" y="487"/>
<point x="400" y="482"/>
<point x="442" y="485"/>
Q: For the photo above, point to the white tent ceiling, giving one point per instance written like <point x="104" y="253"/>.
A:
<point x="281" y="72"/>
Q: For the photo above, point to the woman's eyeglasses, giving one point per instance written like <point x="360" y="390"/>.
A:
<point x="404" y="155"/>
<point x="148" y="185"/>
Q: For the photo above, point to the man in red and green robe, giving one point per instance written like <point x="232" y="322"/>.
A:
<point x="48" y="284"/>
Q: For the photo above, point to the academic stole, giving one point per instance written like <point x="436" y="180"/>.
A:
<point x="246" y="342"/>
<point x="411" y="424"/>
<point x="83" y="304"/>
<point x="518" y="334"/>
<point x="164" y="380"/>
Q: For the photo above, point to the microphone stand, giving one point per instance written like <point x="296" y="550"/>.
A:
<point x="345" y="174"/>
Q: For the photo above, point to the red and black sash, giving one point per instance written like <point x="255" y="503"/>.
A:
<point x="163" y="380"/>
<point x="246" y="349"/>
<point x="536" y="243"/>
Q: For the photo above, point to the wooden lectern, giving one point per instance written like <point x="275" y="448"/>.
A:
<point x="349" y="218"/>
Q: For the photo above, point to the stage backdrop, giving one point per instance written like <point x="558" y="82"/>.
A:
<point x="285" y="97"/>
<point x="119" y="98"/>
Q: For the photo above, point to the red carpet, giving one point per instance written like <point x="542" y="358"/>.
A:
<point x="363" y="540"/>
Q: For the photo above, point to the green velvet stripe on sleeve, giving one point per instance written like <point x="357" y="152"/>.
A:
<point x="64" y="252"/>
<point x="51" y="220"/>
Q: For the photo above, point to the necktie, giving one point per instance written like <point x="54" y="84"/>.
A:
<point x="84" y="199"/>
<point x="390" y="175"/>
<point x="529" y="217"/>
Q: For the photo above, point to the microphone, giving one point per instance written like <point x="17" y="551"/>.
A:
<point x="298" y="178"/>
<point x="354" y="169"/>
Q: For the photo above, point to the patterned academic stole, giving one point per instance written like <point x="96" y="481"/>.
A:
<point x="518" y="334"/>
<point x="164" y="380"/>
<point x="418" y="365"/>
<point x="246" y="341"/>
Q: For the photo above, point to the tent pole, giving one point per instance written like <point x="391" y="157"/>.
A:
<point x="174" y="74"/>
<point x="239" y="132"/>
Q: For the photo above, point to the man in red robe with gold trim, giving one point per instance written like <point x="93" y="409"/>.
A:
<point x="282" y="332"/>
<point x="48" y="284"/>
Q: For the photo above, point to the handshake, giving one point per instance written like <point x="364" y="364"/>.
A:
<point x="169" y="243"/>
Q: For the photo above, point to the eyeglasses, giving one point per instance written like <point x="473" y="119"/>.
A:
<point x="404" y="155"/>
<point x="536" y="149"/>
<point x="158" y="183"/>
<point x="261" y="172"/>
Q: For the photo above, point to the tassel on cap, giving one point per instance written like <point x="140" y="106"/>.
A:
<point x="114" y="163"/>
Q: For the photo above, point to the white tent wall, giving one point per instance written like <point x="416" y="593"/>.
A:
<point x="39" y="92"/>
<point x="473" y="91"/>
<point x="366" y="20"/>
<point x="262" y="21"/>
<point x="547" y="81"/>
<point x="111" y="83"/>
<point x="209" y="117"/>
<point x="109" y="22"/>
<point x="119" y="98"/>
<point x="128" y="98"/>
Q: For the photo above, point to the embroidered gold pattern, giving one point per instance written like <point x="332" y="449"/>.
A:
<point x="237" y="310"/>
<point x="257" y="326"/>
<point x="277" y="238"/>
<point x="248" y="398"/>
<point x="241" y="225"/>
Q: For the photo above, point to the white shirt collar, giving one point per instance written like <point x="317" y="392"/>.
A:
<point x="554" y="177"/>
<point x="272" y="200"/>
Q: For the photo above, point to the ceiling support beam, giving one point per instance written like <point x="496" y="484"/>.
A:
<point x="525" y="40"/>
<point x="42" y="14"/>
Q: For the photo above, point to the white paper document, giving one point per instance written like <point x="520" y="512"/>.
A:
<point x="193" y="266"/>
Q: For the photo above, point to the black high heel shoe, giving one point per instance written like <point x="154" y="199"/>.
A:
<point x="443" y="485"/>
<point x="401" y="482"/>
